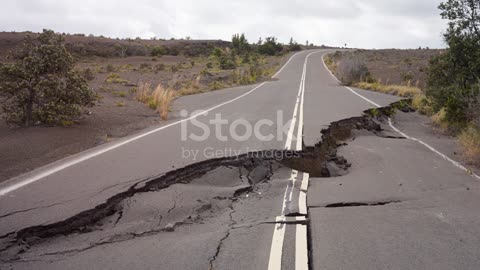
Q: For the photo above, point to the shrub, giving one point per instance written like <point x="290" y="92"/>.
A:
<point x="115" y="78"/>
<point x="159" y="67"/>
<point x="145" y="67"/>
<point x="88" y="74"/>
<point x="351" y="69"/>
<point x="110" y="68"/>
<point x="270" y="47"/>
<point x="293" y="46"/>
<point x="42" y="84"/>
<point x="216" y="85"/>
<point x="158" y="51"/>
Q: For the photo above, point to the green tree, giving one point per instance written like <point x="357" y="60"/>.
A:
<point x="42" y="85"/>
<point x="293" y="46"/>
<point x="453" y="77"/>
<point x="270" y="46"/>
<point x="240" y="43"/>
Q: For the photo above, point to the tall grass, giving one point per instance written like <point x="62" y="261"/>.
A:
<point x="469" y="139"/>
<point x="159" y="99"/>
<point x="143" y="92"/>
<point x="162" y="99"/>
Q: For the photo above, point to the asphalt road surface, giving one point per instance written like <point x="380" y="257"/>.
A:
<point x="203" y="191"/>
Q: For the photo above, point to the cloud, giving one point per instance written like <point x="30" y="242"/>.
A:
<point x="359" y="23"/>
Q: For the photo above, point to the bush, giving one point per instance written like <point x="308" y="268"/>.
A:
<point x="158" y="51"/>
<point x="42" y="84"/>
<point x="88" y="74"/>
<point x="110" y="68"/>
<point x="270" y="47"/>
<point x="159" y="67"/>
<point x="115" y="78"/>
<point x="351" y="69"/>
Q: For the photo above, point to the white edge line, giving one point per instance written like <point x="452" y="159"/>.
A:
<point x="445" y="157"/>
<point x="13" y="187"/>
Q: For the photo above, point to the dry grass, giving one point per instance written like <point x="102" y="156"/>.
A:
<point x="115" y="78"/>
<point x="422" y="105"/>
<point x="143" y="92"/>
<point x="159" y="99"/>
<point x="162" y="98"/>
<point x="469" y="139"/>
<point x="398" y="90"/>
<point x="191" y="88"/>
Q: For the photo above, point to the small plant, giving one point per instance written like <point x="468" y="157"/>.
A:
<point x="88" y="74"/>
<point x="216" y="85"/>
<point x="110" y="68"/>
<point x="120" y="104"/>
<point x="120" y="94"/>
<point x="159" y="67"/>
<point x="174" y="68"/>
<point x="145" y="67"/>
<point x="115" y="78"/>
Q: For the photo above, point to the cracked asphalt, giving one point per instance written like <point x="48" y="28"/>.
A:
<point x="375" y="200"/>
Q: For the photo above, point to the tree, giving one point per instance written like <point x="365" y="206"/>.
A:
<point x="293" y="46"/>
<point x="453" y="77"/>
<point x="270" y="46"/>
<point x="240" y="43"/>
<point x="42" y="85"/>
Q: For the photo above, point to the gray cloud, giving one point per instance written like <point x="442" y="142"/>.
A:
<point x="359" y="23"/>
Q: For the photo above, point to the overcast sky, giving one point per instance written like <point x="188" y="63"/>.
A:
<point x="359" y="23"/>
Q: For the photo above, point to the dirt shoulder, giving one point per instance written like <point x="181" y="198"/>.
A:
<point x="117" y="114"/>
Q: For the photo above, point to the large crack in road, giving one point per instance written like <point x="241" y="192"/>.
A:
<point x="214" y="186"/>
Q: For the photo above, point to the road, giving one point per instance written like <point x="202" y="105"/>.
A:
<point x="170" y="198"/>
